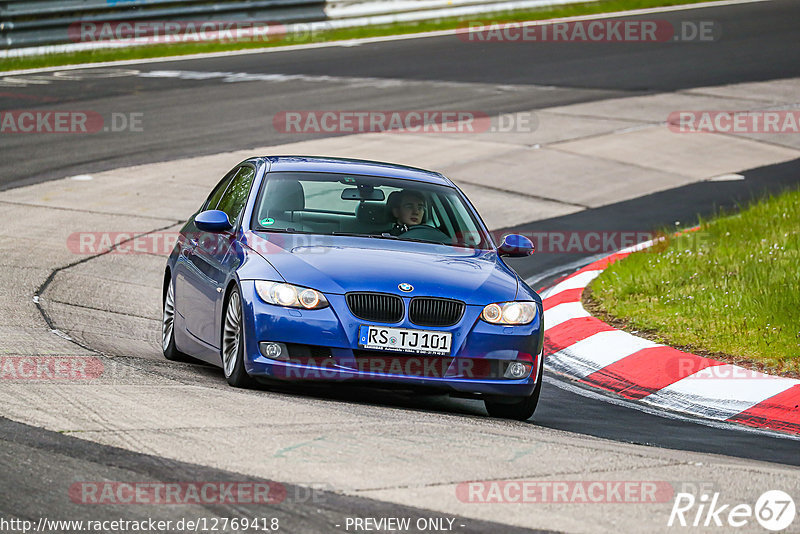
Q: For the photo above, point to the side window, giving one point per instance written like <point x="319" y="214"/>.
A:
<point x="234" y="199"/>
<point x="216" y="194"/>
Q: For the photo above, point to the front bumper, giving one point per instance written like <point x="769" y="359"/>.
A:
<point x="479" y="349"/>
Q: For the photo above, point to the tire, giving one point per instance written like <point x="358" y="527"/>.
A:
<point x="168" y="347"/>
<point x="521" y="409"/>
<point x="232" y="351"/>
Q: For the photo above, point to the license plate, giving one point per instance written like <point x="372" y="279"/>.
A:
<point x="404" y="340"/>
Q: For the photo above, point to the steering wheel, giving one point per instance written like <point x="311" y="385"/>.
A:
<point x="427" y="233"/>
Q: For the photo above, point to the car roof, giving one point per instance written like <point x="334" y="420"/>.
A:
<point x="352" y="166"/>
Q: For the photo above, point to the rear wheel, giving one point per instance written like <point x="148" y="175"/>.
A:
<point x="233" y="343"/>
<point x="520" y="409"/>
<point x="168" y="347"/>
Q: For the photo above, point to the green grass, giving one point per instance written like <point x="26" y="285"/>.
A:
<point x="161" y="50"/>
<point x="733" y="287"/>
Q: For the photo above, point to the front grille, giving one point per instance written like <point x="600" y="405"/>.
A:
<point x="297" y="350"/>
<point x="376" y="307"/>
<point x="429" y="311"/>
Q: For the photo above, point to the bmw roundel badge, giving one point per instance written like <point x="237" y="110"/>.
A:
<point x="405" y="287"/>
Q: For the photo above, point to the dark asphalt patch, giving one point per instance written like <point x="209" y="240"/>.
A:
<point x="39" y="468"/>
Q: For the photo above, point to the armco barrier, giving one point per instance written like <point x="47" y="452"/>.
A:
<point x="45" y="22"/>
<point x="34" y="27"/>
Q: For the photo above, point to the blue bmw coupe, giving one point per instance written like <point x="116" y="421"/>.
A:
<point x="305" y="268"/>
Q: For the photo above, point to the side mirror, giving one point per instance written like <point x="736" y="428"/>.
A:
<point x="516" y="246"/>
<point x="212" y="221"/>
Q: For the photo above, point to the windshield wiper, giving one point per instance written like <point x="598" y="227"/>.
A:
<point x="260" y="228"/>
<point x="376" y="236"/>
<point x="387" y="235"/>
<point x="416" y="240"/>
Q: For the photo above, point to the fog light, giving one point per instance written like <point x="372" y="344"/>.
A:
<point x="517" y="370"/>
<point x="274" y="351"/>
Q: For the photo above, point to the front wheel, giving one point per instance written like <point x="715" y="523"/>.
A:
<point x="521" y="409"/>
<point x="233" y="343"/>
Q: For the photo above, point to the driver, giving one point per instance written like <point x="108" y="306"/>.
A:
<point x="408" y="210"/>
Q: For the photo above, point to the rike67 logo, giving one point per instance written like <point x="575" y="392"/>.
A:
<point x="774" y="510"/>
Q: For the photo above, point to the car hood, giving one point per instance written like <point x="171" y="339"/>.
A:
<point x="340" y="264"/>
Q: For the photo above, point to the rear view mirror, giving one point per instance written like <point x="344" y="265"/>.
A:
<point x="363" y="193"/>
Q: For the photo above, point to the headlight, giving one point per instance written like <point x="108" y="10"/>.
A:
<point x="282" y="294"/>
<point x="510" y="312"/>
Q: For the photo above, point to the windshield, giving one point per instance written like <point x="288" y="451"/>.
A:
<point x="370" y="206"/>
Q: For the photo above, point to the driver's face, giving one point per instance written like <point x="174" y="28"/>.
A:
<point x="411" y="210"/>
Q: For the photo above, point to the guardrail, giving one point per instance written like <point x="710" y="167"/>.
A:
<point x="34" y="27"/>
<point x="45" y="22"/>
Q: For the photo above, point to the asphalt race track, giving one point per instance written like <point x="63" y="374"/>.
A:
<point x="210" y="116"/>
<point x="198" y="107"/>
